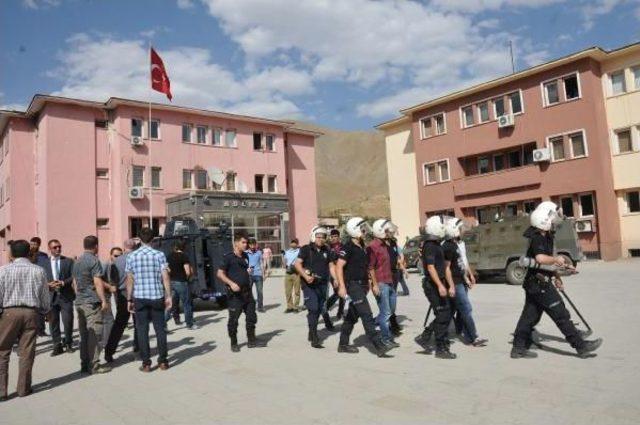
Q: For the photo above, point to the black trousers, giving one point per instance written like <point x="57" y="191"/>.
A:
<point x="543" y="298"/>
<point x="237" y="304"/>
<point x="151" y="312"/>
<point x="442" y="311"/>
<point x="358" y="309"/>
<point x="332" y="300"/>
<point x="314" y="298"/>
<point x="119" y="325"/>
<point x="61" y="309"/>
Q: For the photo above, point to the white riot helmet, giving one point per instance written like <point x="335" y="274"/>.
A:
<point x="357" y="227"/>
<point x="317" y="230"/>
<point x="453" y="227"/>
<point x="545" y="216"/>
<point x="434" y="228"/>
<point x="380" y="228"/>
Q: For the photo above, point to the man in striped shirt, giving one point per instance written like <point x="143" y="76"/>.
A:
<point x="24" y="296"/>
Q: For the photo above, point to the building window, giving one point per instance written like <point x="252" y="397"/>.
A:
<point x="528" y="153"/>
<point x="636" y="77"/>
<point x="483" y="111"/>
<point x="257" y="182"/>
<point x="136" y="127"/>
<point x="271" y="142"/>
<point x="529" y="206"/>
<point x="467" y="114"/>
<point x="618" y="84"/>
<point x="201" y="179"/>
<point x="231" y="181"/>
<point x="515" y="160"/>
<point x="187" y="179"/>
<point x="271" y="184"/>
<point x="586" y="205"/>
<point x="551" y="93"/>
<point x="102" y="223"/>
<point x="511" y="210"/>
<point x="483" y="165"/>
<point x="137" y="176"/>
<point x="201" y="134"/>
<point x="444" y="170"/>
<point x="567" y="206"/>
<point x="217" y="137"/>
<point x="155" y="177"/>
<point x="431" y="173"/>
<point x="186" y="133"/>
<point x="633" y="201"/>
<point x="257" y="141"/>
<point x="516" y="102"/>
<point x="425" y="127"/>
<point x="624" y="141"/>
<point x="440" y="124"/>
<point x="498" y="107"/>
<point x="154" y="128"/>
<point x="102" y="173"/>
<point x="578" y="147"/>
<point x="498" y="162"/>
<point x="557" y="148"/>
<point x="571" y="87"/>
<point x="230" y="138"/>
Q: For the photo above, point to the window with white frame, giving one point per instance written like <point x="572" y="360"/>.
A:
<point x="515" y="99"/>
<point x="618" y="84"/>
<point x="155" y="177"/>
<point x="483" y="165"/>
<point x="201" y="134"/>
<point x="635" y="71"/>
<point x="623" y="140"/>
<point x="566" y="203"/>
<point x="186" y="132"/>
<point x="443" y="166"/>
<point x="571" y="87"/>
<point x="187" y="179"/>
<point x="230" y="138"/>
<point x="217" y="137"/>
<point x="557" y="148"/>
<point x="587" y="208"/>
<point x="483" y="112"/>
<point x="578" y="145"/>
<point x="230" y="181"/>
<point x="467" y="116"/>
<point x="137" y="175"/>
<point x="257" y="141"/>
<point x="201" y="179"/>
<point x="425" y="127"/>
<point x="498" y="107"/>
<point x="551" y="95"/>
<point x="136" y="127"/>
<point x="102" y="173"/>
<point x="270" y="141"/>
<point x="436" y="172"/>
<point x="154" y="128"/>
<point x="430" y="173"/>
<point x="258" y="183"/>
<point x="272" y="186"/>
<point x="633" y="201"/>
<point x="441" y="127"/>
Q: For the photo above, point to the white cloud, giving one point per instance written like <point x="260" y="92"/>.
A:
<point x="476" y="6"/>
<point x="185" y="4"/>
<point x="595" y="8"/>
<point x="100" y="67"/>
<point x="37" y="4"/>
<point x="11" y="106"/>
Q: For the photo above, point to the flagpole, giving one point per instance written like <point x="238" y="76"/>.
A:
<point x="149" y="148"/>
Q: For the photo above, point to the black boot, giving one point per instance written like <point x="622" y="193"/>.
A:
<point x="522" y="353"/>
<point x="444" y="353"/>
<point x="424" y="339"/>
<point x="381" y="348"/>
<point x="310" y="336"/>
<point x="252" y="341"/>
<point x="346" y="348"/>
<point x="327" y="322"/>
<point x="57" y="350"/>
<point x="588" y="347"/>
<point x="234" y="344"/>
<point x="315" y="341"/>
<point x="395" y="327"/>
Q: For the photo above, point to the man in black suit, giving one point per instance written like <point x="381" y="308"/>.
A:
<point x="58" y="269"/>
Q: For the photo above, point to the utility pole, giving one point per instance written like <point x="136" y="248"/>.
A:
<point x="513" y="64"/>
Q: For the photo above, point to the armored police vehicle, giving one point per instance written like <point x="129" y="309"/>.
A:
<point x="494" y="248"/>
<point x="204" y="250"/>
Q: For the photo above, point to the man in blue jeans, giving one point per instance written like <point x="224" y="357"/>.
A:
<point x="149" y="297"/>
<point x="458" y="274"/>
<point x="256" y="268"/>
<point x="179" y="274"/>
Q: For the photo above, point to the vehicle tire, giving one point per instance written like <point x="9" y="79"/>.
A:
<point x="515" y="273"/>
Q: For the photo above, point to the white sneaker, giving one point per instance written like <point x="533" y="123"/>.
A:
<point x="193" y="327"/>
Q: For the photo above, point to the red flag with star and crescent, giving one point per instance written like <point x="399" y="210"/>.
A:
<point x="159" y="78"/>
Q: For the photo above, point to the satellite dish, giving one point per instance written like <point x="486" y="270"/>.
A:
<point x="216" y="175"/>
<point x="242" y="186"/>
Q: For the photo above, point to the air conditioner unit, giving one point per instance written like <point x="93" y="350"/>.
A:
<point x="584" y="226"/>
<point x="136" y="192"/>
<point x="137" y="141"/>
<point x="505" y="121"/>
<point x="541" y="155"/>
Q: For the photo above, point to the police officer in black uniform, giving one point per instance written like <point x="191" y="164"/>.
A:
<point x="396" y="272"/>
<point x="353" y="277"/>
<point x="234" y="272"/>
<point x="540" y="294"/>
<point x="436" y="289"/>
<point x="315" y="265"/>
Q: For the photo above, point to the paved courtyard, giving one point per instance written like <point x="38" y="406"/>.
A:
<point x="289" y="383"/>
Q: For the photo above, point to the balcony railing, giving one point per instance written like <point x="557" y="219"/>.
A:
<point x="500" y="180"/>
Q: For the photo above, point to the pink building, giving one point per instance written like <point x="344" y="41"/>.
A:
<point x="71" y="168"/>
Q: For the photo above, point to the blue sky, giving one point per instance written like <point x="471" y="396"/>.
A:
<point x="347" y="64"/>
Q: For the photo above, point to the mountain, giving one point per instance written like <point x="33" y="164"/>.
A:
<point x="351" y="172"/>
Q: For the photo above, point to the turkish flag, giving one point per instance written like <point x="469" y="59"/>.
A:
<point x="159" y="78"/>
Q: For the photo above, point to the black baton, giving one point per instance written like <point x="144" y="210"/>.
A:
<point x="575" y="309"/>
<point x="426" y="319"/>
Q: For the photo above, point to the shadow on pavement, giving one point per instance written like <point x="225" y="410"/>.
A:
<point x="271" y="306"/>
<point x="56" y="382"/>
<point x="265" y="338"/>
<point x="181" y="356"/>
